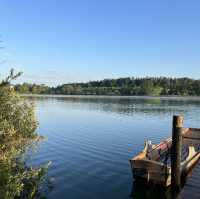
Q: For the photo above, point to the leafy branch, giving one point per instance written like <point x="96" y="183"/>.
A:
<point x="10" y="77"/>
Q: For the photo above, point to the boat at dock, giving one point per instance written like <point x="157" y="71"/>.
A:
<point x="153" y="164"/>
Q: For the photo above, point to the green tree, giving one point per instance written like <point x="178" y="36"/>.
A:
<point x="17" y="132"/>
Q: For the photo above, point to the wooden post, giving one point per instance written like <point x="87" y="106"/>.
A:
<point x="176" y="151"/>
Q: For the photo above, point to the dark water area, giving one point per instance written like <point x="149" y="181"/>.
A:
<point x="91" y="139"/>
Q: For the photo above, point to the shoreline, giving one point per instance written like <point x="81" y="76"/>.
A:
<point x="169" y="97"/>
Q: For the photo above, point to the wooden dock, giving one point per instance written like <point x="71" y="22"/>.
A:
<point x="181" y="164"/>
<point x="192" y="186"/>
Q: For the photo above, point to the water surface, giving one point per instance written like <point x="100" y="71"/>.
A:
<point x="91" y="139"/>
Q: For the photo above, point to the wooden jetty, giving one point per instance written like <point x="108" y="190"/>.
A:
<point x="171" y="160"/>
<point x="192" y="186"/>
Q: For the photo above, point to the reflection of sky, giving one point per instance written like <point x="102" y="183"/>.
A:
<point x="128" y="106"/>
<point x="152" y="111"/>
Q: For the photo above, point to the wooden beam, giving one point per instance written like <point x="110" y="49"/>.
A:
<point x="176" y="151"/>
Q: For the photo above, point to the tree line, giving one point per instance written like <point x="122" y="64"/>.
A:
<point x="151" y="86"/>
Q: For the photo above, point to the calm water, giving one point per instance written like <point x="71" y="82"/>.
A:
<point x="91" y="139"/>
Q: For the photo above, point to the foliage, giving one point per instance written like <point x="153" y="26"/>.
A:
<point x="123" y="86"/>
<point x="17" y="132"/>
<point x="17" y="181"/>
<point x="17" y="117"/>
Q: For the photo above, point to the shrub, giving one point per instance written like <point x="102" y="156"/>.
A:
<point x="17" y="116"/>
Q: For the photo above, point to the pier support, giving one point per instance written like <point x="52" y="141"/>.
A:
<point x="176" y="151"/>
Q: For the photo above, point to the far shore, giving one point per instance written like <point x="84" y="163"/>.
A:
<point x="169" y="97"/>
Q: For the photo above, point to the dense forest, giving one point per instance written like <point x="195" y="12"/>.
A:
<point x="152" y="86"/>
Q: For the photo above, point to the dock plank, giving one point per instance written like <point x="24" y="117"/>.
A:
<point x="192" y="186"/>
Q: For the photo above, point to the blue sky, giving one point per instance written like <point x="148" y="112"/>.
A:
<point x="57" y="41"/>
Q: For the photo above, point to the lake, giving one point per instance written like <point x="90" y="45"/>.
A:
<point x="91" y="139"/>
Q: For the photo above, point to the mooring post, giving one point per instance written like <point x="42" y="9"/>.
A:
<point x="176" y="151"/>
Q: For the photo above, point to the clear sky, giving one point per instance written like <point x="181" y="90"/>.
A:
<point x="56" y="41"/>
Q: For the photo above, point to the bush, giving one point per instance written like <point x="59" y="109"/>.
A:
<point x="17" y="132"/>
<point x="17" y="117"/>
